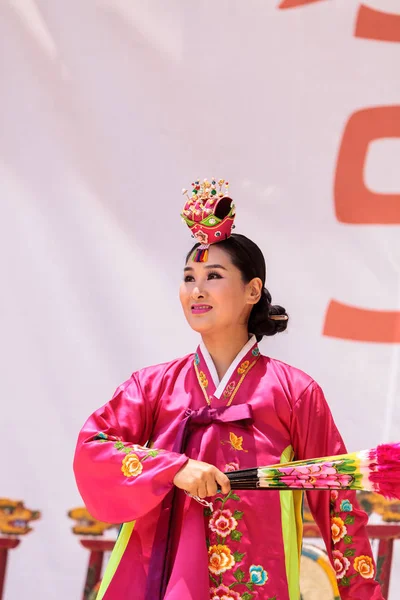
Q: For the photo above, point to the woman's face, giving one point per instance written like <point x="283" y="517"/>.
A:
<point x="213" y="294"/>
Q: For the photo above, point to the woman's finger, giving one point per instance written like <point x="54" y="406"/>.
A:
<point x="223" y="481"/>
<point x="212" y="487"/>
<point x="202" y="490"/>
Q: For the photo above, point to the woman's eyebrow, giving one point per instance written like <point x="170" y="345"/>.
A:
<point x="206" y="267"/>
<point x="215" y="267"/>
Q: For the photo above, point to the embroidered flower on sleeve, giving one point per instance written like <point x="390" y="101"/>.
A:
<point x="131" y="465"/>
<point x="346" y="506"/>
<point x="220" y="559"/>
<point x="258" y="575"/>
<point x="340" y="563"/>
<point x="364" y="565"/>
<point x="222" y="522"/>
<point x="338" y="528"/>
<point x="334" y="495"/>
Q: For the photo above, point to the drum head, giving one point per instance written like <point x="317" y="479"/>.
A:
<point x="317" y="576"/>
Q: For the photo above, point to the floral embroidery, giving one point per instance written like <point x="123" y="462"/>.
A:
<point x="223" y="522"/>
<point x="131" y="463"/>
<point x="235" y="441"/>
<point x="201" y="237"/>
<point x="224" y="593"/>
<point x="256" y="352"/>
<point x="341" y="564"/>
<point x="223" y="561"/>
<point x="105" y="437"/>
<point x="346" y="506"/>
<point x="220" y="559"/>
<point x="338" y="528"/>
<point x="243" y="367"/>
<point x="230" y="388"/>
<point x="364" y="566"/>
<point x="196" y="359"/>
<point x="231" y="466"/>
<point x="203" y="379"/>
<point x="258" y="575"/>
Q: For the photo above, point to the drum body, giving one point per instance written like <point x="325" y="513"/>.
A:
<point x="317" y="576"/>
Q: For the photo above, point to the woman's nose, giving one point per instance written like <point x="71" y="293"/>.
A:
<point x="197" y="293"/>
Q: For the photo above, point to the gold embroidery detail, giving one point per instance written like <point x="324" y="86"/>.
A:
<point x="203" y="379"/>
<point x="228" y="392"/>
<point x="202" y="387"/>
<point x="235" y="441"/>
<point x="241" y="380"/>
<point x="243" y="367"/>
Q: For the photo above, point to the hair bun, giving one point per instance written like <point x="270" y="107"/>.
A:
<point x="266" y="318"/>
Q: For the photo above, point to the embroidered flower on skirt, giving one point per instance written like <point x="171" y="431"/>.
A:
<point x="258" y="575"/>
<point x="220" y="559"/>
<point x="222" y="522"/>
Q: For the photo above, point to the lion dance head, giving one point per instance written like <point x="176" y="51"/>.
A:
<point x="15" y="517"/>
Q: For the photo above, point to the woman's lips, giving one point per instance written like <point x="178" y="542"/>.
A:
<point x="198" y="309"/>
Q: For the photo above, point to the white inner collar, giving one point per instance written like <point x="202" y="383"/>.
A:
<point x="221" y="385"/>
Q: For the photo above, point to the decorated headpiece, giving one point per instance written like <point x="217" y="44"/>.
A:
<point x="209" y="213"/>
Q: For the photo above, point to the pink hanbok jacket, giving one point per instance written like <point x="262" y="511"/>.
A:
<point x="248" y="546"/>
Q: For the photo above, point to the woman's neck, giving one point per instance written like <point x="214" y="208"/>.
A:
<point x="223" y="349"/>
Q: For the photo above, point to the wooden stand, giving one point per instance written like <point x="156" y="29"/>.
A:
<point x="97" y="548"/>
<point x="386" y="534"/>
<point x="6" y="544"/>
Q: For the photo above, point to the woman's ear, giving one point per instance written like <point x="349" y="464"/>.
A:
<point x="255" y="290"/>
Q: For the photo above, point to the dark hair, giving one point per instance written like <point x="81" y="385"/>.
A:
<point x="249" y="259"/>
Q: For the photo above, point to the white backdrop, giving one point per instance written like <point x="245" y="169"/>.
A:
<point x="107" y="109"/>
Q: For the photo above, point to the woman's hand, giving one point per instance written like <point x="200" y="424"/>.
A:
<point x="201" y="479"/>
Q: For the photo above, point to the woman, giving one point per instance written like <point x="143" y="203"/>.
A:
<point x="225" y="407"/>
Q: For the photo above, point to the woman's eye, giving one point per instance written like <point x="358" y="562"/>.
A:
<point x="214" y="276"/>
<point x="188" y="278"/>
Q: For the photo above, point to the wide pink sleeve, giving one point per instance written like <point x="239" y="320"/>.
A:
<point x="337" y="514"/>
<point x="119" y="479"/>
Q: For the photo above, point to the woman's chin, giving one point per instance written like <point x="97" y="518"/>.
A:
<point x="201" y="326"/>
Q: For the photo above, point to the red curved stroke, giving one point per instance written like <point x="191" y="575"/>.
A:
<point x="296" y="3"/>
<point x="373" y="24"/>
<point x="354" y="202"/>
<point x="362" y="325"/>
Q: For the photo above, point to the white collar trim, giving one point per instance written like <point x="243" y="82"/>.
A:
<point x="221" y="385"/>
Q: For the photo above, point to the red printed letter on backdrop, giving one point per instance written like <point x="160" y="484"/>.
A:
<point x="376" y="25"/>
<point x="352" y="323"/>
<point x="295" y="3"/>
<point x="356" y="204"/>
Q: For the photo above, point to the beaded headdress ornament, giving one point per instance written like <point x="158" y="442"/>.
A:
<point x="209" y="213"/>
